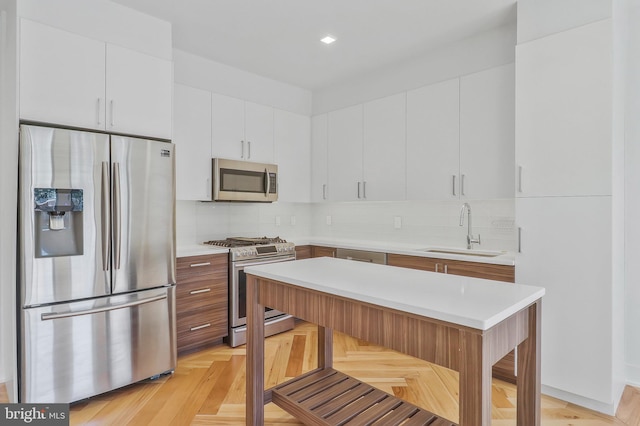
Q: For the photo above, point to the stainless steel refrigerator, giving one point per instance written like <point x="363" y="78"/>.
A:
<point x="97" y="262"/>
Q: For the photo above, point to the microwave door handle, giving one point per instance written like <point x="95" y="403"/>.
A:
<point x="268" y="185"/>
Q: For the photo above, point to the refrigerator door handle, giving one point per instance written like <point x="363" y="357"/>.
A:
<point x="105" y="216"/>
<point x="58" y="315"/>
<point x="117" y="216"/>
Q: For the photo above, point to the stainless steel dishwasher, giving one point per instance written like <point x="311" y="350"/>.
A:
<point x="362" y="256"/>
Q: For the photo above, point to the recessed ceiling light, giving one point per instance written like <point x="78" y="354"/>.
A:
<point x="328" y="39"/>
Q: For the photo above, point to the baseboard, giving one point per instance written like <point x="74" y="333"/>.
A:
<point x="592" y="404"/>
<point x="633" y="375"/>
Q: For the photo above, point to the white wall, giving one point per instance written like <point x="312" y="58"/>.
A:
<point x="8" y="193"/>
<point x="483" y="51"/>
<point x="196" y="71"/>
<point x="631" y="8"/>
<point x="540" y="18"/>
<point x="103" y="20"/>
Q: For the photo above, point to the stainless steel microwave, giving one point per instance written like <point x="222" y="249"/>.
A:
<point x="235" y="180"/>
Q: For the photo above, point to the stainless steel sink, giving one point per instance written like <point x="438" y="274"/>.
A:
<point x="480" y="253"/>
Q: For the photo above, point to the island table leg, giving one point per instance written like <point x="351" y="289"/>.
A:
<point x="255" y="355"/>
<point x="528" y="402"/>
<point x="325" y="347"/>
<point x="475" y="380"/>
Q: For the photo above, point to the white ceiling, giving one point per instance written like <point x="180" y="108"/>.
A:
<point x="280" y="39"/>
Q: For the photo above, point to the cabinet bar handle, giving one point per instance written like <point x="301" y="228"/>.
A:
<point x="249" y="149"/>
<point x="194" y="265"/>
<point x="98" y="110"/>
<point x="446" y="271"/>
<point x="241" y="149"/>
<point x="461" y="184"/>
<point x="200" y="327"/>
<point x="519" y="240"/>
<point x="519" y="178"/>
<point x="437" y="267"/>
<point x="358" y="190"/>
<point x="364" y="189"/>
<point x="324" y="191"/>
<point x="453" y="186"/>
<point x="204" y="290"/>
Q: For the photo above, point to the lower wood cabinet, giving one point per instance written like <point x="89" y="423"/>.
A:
<point x="456" y="267"/>
<point x="505" y="368"/>
<point x="303" y="252"/>
<point x="202" y="301"/>
<point x="318" y="251"/>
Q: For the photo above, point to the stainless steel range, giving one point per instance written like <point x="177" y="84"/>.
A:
<point x="245" y="252"/>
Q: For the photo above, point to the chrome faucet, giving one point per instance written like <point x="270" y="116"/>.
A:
<point x="470" y="238"/>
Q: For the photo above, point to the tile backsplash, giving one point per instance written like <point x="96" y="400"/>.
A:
<point x="428" y="222"/>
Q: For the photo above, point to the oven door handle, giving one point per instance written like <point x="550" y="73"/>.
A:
<point x="255" y="262"/>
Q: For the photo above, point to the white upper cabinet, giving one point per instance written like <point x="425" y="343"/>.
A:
<point x="192" y="136"/>
<point x="228" y="127"/>
<point x="258" y="125"/>
<point x="433" y="136"/>
<point x="487" y="133"/>
<point x="292" y="155"/>
<point x="319" y="151"/>
<point x="62" y="77"/>
<point x="138" y="93"/>
<point x="345" y="154"/>
<point x="73" y="80"/>
<point x="384" y="159"/>
<point x="242" y="130"/>
<point x="564" y="121"/>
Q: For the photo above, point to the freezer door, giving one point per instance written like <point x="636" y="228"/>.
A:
<point x="143" y="210"/>
<point x="64" y="159"/>
<point x="77" y="350"/>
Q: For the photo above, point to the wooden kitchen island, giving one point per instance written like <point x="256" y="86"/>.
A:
<point x="465" y="324"/>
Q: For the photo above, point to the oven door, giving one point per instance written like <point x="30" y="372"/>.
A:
<point x="238" y="290"/>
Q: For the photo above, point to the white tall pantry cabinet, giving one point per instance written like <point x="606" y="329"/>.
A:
<point x="564" y="205"/>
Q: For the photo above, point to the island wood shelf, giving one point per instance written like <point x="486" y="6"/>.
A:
<point x="468" y="350"/>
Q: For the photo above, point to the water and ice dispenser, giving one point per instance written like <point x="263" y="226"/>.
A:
<point x="58" y="222"/>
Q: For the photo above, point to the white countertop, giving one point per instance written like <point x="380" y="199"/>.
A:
<point x="199" y="250"/>
<point x="471" y="302"/>
<point x="409" y="249"/>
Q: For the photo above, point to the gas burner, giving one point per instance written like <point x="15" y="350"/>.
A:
<point x="245" y="241"/>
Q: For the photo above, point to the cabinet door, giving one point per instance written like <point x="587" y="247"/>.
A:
<point x="293" y="156"/>
<point x="414" y="262"/>
<point x="320" y="251"/>
<point x="192" y="136"/>
<point x="61" y="77"/>
<point x="258" y="130"/>
<point x="487" y="134"/>
<point x="564" y="113"/>
<point x="319" y="142"/>
<point x="345" y="154"/>
<point x="433" y="141"/>
<point x="139" y="91"/>
<point x="568" y="252"/>
<point x="384" y="155"/>
<point x="228" y="128"/>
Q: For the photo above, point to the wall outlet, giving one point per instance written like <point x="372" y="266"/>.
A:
<point x="329" y="220"/>
<point x="277" y="220"/>
<point x="293" y="221"/>
<point x="397" y="222"/>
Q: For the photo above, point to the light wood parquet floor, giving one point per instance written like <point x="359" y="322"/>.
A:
<point x="208" y="388"/>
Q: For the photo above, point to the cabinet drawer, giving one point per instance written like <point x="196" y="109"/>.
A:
<point x="318" y="251"/>
<point x="187" y="267"/>
<point x="200" y="293"/>
<point x="303" y="252"/>
<point x="201" y="326"/>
